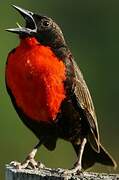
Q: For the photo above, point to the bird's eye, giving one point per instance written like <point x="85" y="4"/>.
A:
<point x="46" y="23"/>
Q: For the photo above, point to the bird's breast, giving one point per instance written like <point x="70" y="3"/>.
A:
<point x="36" y="78"/>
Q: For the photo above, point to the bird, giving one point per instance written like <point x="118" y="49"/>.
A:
<point x="50" y="95"/>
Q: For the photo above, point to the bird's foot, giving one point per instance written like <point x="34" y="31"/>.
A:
<point x="75" y="170"/>
<point x="28" y="164"/>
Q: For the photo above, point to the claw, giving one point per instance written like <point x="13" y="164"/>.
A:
<point x="40" y="165"/>
<point x="15" y="164"/>
<point x="75" y="170"/>
<point x="28" y="164"/>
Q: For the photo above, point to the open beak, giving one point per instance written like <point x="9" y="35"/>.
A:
<point x="30" y="22"/>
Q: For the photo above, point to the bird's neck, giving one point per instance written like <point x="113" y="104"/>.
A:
<point x="60" y="51"/>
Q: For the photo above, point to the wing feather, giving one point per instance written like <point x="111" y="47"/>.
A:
<point x="84" y="100"/>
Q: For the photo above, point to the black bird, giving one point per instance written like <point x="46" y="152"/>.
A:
<point x="50" y="94"/>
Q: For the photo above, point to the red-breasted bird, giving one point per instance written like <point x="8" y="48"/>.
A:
<point x="50" y="94"/>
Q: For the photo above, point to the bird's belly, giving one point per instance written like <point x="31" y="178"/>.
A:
<point x="72" y="125"/>
<point x="37" y="85"/>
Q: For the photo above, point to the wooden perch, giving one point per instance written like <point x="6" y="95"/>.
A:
<point x="54" y="174"/>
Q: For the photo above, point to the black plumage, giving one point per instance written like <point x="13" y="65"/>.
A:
<point x="76" y="122"/>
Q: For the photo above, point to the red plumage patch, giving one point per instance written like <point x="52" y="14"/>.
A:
<point x="35" y="76"/>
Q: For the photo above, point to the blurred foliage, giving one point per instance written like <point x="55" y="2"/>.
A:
<point x="91" y="29"/>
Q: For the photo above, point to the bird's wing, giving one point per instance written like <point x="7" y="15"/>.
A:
<point x="84" y="100"/>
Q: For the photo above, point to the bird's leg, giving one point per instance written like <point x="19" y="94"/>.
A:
<point x="78" y="165"/>
<point x="30" y="160"/>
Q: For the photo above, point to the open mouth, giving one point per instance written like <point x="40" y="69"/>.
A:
<point x="30" y="28"/>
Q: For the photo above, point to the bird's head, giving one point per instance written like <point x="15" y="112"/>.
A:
<point x="43" y="28"/>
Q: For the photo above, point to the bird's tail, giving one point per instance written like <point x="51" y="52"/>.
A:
<point x="90" y="157"/>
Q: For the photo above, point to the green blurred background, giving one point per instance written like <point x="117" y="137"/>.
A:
<point x="91" y="29"/>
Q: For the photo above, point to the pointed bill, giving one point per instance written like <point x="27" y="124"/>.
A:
<point x="28" y="16"/>
<point x="22" y="11"/>
<point x="21" y="30"/>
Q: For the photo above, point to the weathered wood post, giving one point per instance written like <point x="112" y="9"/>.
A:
<point x="53" y="174"/>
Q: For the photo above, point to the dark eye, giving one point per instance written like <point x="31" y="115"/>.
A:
<point x="46" y="23"/>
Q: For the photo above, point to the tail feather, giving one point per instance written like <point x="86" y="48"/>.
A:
<point x="105" y="158"/>
<point x="90" y="157"/>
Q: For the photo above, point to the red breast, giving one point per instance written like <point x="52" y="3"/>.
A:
<point x="36" y="78"/>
